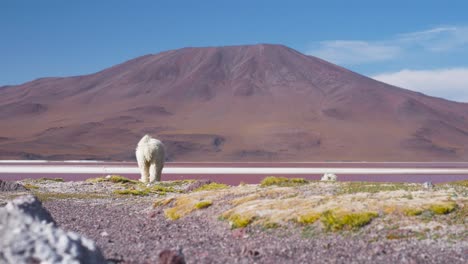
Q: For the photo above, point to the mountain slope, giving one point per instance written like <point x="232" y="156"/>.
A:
<point x="236" y="103"/>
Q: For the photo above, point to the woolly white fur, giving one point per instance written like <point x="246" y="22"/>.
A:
<point x="150" y="154"/>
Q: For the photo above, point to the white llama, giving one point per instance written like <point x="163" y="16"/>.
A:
<point x="150" y="157"/>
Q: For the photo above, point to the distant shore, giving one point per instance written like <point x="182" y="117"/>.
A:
<point x="250" y="172"/>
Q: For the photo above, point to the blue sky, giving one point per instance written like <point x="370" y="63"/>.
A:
<point x="420" y="45"/>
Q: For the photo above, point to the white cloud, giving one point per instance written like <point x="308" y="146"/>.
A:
<point x="438" y="39"/>
<point x="354" y="52"/>
<point x="451" y="84"/>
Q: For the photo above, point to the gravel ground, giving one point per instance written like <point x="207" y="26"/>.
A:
<point x="129" y="230"/>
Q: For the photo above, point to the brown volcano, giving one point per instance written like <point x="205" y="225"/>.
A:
<point x="238" y="103"/>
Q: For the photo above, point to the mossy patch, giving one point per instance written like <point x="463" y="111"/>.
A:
<point x="172" y="213"/>
<point x="309" y="218"/>
<point x="443" y="208"/>
<point x="282" y="181"/>
<point x="163" y="202"/>
<point x="143" y="191"/>
<point x="238" y="221"/>
<point x="43" y="197"/>
<point x="334" y="221"/>
<point x="412" y="211"/>
<point x="185" y="205"/>
<point x="31" y="186"/>
<point x="50" y="179"/>
<point x="113" y="179"/>
<point x="270" y="225"/>
<point x="203" y="204"/>
<point x="135" y="192"/>
<point x="160" y="188"/>
<point x="374" y="187"/>
<point x="175" y="183"/>
<point x="212" y="186"/>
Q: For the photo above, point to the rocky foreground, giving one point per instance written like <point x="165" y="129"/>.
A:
<point x="278" y="221"/>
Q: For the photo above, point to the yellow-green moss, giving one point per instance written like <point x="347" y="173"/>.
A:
<point x="282" y="181"/>
<point x="172" y="213"/>
<point x="346" y="221"/>
<point x="50" y="179"/>
<point x="156" y="189"/>
<point x="412" y="211"/>
<point x="375" y="187"/>
<point x="120" y="179"/>
<point x="183" y="206"/>
<point x="308" y="218"/>
<point x="113" y="179"/>
<point x="270" y="225"/>
<point x="163" y="202"/>
<point x="269" y="181"/>
<point x="135" y="192"/>
<point x="159" y="188"/>
<point x="203" y="204"/>
<point x="238" y="221"/>
<point x="174" y="183"/>
<point x="298" y="181"/>
<point x="57" y="196"/>
<point x="212" y="186"/>
<point x="441" y="209"/>
<point x="30" y="186"/>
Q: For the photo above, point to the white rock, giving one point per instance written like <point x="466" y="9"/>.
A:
<point x="28" y="233"/>
<point x="428" y="185"/>
<point x="328" y="177"/>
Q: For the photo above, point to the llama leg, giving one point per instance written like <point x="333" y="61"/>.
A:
<point x="159" y="171"/>
<point x="144" y="173"/>
<point x="142" y="165"/>
<point x="152" y="171"/>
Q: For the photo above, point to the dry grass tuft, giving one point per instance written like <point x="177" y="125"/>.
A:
<point x="212" y="186"/>
<point x="282" y="181"/>
<point x="132" y="192"/>
<point x="163" y="202"/>
<point x="113" y="179"/>
<point x="443" y="208"/>
<point x="376" y="187"/>
<point x="43" y="197"/>
<point x="143" y="191"/>
<point x="238" y="221"/>
<point x="203" y="204"/>
<point x="30" y="186"/>
<point x="412" y="211"/>
<point x="308" y="218"/>
<point x="334" y="221"/>
<point x="50" y="179"/>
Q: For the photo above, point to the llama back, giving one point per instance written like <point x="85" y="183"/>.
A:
<point x="148" y="147"/>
